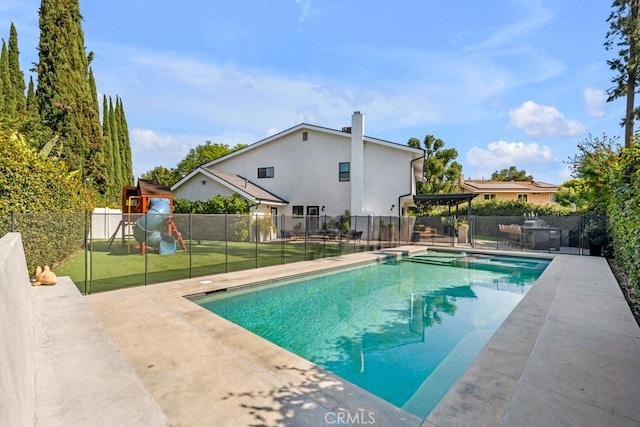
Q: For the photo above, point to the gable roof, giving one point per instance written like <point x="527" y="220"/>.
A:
<point x="237" y="184"/>
<point x="345" y="133"/>
<point x="484" y="186"/>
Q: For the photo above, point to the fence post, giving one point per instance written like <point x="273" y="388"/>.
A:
<point x="13" y="222"/>
<point x="257" y="237"/>
<point x="190" y="246"/>
<point x="143" y="245"/>
<point x="226" y="243"/>
<point x="282" y="238"/>
<point x="87" y="289"/>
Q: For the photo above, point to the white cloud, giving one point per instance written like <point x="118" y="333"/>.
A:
<point x="594" y="100"/>
<point x="502" y="154"/>
<point x="150" y="149"/>
<point x="306" y="9"/>
<point x="544" y="121"/>
<point x="149" y="140"/>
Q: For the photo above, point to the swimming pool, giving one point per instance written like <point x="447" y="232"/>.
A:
<point x="404" y="331"/>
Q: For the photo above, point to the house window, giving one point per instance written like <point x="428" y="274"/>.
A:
<point x="313" y="210"/>
<point x="305" y="136"/>
<point x="344" y="171"/>
<point x="265" y="172"/>
<point x="552" y="198"/>
<point x="522" y="198"/>
<point x="489" y="196"/>
<point x="298" y="211"/>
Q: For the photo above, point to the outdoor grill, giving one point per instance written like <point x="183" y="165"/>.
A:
<point x="543" y="236"/>
<point x="535" y="223"/>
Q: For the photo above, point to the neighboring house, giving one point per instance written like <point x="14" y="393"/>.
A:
<point x="537" y="192"/>
<point x="312" y="170"/>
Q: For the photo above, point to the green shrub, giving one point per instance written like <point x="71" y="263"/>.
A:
<point x="516" y="208"/>
<point x="496" y="207"/>
<point x="41" y="199"/>
<point x="31" y="183"/>
<point x="234" y="204"/>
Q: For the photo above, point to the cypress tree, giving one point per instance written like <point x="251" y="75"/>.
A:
<point x="8" y="106"/>
<point x="2" y="95"/>
<point x="115" y="147"/>
<point x="64" y="94"/>
<point x="94" y="92"/>
<point x="125" y="144"/>
<point x="15" y="73"/>
<point x="108" y="148"/>
<point x="32" y="103"/>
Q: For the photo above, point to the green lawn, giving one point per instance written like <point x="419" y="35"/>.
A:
<point x="118" y="267"/>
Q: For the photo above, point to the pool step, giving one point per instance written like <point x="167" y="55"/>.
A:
<point x="436" y="260"/>
<point x="447" y="372"/>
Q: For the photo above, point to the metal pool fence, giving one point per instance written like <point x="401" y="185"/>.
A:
<point x="105" y="251"/>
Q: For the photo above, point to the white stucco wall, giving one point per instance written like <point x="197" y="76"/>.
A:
<point x="387" y="175"/>
<point x="306" y="173"/>
<point x="194" y="189"/>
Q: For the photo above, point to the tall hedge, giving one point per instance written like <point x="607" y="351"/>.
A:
<point x="31" y="188"/>
<point x="624" y="213"/>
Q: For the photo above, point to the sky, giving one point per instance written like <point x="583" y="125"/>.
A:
<point x="504" y="82"/>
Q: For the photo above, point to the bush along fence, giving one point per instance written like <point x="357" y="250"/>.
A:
<point x="107" y="250"/>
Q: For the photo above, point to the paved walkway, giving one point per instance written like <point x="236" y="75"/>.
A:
<point x="568" y="355"/>
<point x="81" y="377"/>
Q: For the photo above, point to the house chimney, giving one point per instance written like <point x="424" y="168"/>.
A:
<point x="357" y="163"/>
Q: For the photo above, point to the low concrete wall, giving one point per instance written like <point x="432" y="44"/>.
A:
<point x="17" y="389"/>
<point x="58" y="365"/>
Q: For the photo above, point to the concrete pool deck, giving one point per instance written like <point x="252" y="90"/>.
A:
<point x="567" y="355"/>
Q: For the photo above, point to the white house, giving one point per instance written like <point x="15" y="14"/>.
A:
<point x="312" y="170"/>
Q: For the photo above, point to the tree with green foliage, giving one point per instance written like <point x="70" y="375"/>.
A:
<point x="162" y="175"/>
<point x="32" y="102"/>
<point x="441" y="170"/>
<point x="595" y="164"/>
<point x="113" y="189"/>
<point x="511" y="174"/>
<point x="203" y="154"/>
<point x="574" y="193"/>
<point x="64" y="93"/>
<point x="15" y="73"/>
<point x="125" y="144"/>
<point x="115" y="147"/>
<point x="7" y="98"/>
<point x="624" y="34"/>
<point x="94" y="92"/>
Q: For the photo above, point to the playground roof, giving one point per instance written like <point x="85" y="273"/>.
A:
<point x="149" y="187"/>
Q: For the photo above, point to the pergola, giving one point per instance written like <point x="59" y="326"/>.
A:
<point x="455" y="199"/>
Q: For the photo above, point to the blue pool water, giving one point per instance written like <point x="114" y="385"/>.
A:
<point x="403" y="330"/>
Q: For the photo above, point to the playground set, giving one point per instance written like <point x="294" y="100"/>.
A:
<point x="147" y="216"/>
